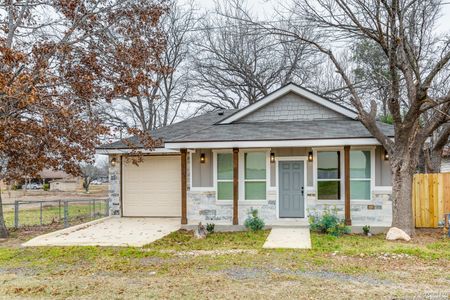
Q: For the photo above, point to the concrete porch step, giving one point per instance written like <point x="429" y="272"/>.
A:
<point x="290" y="223"/>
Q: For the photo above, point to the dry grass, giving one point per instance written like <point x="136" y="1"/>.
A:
<point x="351" y="267"/>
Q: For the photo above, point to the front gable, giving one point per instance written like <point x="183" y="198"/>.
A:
<point x="291" y="103"/>
<point x="292" y="107"/>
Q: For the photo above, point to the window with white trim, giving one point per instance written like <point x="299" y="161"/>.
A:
<point x="255" y="175"/>
<point x="328" y="175"/>
<point x="224" y="176"/>
<point x="360" y="175"/>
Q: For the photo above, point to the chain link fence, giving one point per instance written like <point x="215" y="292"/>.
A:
<point x="46" y="212"/>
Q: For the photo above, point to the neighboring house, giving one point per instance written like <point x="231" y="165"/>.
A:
<point x="60" y="180"/>
<point x="66" y="185"/>
<point x="287" y="155"/>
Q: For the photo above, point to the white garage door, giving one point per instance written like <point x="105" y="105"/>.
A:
<point x="152" y="189"/>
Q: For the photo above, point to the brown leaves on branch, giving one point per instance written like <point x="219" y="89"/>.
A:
<point x="42" y="124"/>
<point x="52" y="80"/>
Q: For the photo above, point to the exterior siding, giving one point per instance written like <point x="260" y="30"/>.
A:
<point x="383" y="173"/>
<point x="283" y="152"/>
<point x="202" y="173"/>
<point x="292" y="107"/>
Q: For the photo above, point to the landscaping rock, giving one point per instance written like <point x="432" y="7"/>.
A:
<point x="200" y="232"/>
<point x="395" y="233"/>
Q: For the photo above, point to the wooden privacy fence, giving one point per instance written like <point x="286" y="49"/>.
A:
<point x="431" y="199"/>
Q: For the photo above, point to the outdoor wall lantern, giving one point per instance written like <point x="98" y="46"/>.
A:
<point x="113" y="162"/>
<point x="310" y="156"/>
<point x="202" y="158"/>
<point x="386" y="155"/>
<point x="272" y="157"/>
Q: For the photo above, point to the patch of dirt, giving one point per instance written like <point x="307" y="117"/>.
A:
<point x="210" y="252"/>
<point x="426" y="236"/>
<point x="245" y="273"/>
<point x="25" y="233"/>
<point x="329" y="275"/>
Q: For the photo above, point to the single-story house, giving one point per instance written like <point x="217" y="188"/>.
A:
<point x="290" y="154"/>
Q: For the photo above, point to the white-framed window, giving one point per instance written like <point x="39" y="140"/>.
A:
<point x="255" y="175"/>
<point x="360" y="174"/>
<point x="329" y="179"/>
<point x="224" y="175"/>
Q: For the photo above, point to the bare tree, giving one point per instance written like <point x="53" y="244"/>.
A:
<point x="416" y="55"/>
<point x="160" y="103"/>
<point x="236" y="65"/>
<point x="91" y="172"/>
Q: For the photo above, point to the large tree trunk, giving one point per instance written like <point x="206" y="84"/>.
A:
<point x="3" y="230"/>
<point x="402" y="210"/>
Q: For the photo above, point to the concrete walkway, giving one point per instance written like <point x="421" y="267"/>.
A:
<point x="289" y="237"/>
<point x="110" y="231"/>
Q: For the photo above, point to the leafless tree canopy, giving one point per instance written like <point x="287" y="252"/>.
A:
<point x="235" y="65"/>
<point x="160" y="104"/>
<point x="412" y="57"/>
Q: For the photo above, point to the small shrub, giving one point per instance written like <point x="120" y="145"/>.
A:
<point x="328" y="222"/>
<point x="16" y="187"/>
<point x="46" y="186"/>
<point x="254" y="222"/>
<point x="210" y="227"/>
<point x="366" y="229"/>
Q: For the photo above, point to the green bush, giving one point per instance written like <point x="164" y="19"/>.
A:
<point x="210" y="227"/>
<point x="366" y="229"/>
<point x="46" y="186"/>
<point x="328" y="222"/>
<point x="254" y="222"/>
<point x="16" y="187"/>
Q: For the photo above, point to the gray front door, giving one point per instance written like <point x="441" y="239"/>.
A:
<point x="291" y="189"/>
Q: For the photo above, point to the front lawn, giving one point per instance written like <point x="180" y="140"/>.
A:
<point x="232" y="265"/>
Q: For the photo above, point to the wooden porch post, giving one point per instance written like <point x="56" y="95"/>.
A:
<point x="235" y="186"/>
<point x="183" y="186"/>
<point x="348" y="220"/>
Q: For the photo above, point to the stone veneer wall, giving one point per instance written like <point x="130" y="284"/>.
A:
<point x="377" y="212"/>
<point x="114" y="186"/>
<point x="202" y="206"/>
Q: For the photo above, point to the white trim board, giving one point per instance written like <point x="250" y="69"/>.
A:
<point x="277" y="143"/>
<point x="283" y="91"/>
<point x="144" y="151"/>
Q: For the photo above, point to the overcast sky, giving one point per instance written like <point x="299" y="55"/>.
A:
<point x="266" y="8"/>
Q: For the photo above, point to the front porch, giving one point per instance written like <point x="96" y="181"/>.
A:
<point x="205" y="185"/>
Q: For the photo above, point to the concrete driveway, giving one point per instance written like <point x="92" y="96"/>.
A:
<point x="110" y="231"/>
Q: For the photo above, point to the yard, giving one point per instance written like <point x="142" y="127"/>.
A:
<point x="232" y="265"/>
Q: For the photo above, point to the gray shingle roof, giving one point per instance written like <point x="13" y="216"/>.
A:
<point x="175" y="131"/>
<point x="204" y="128"/>
<point x="296" y="130"/>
